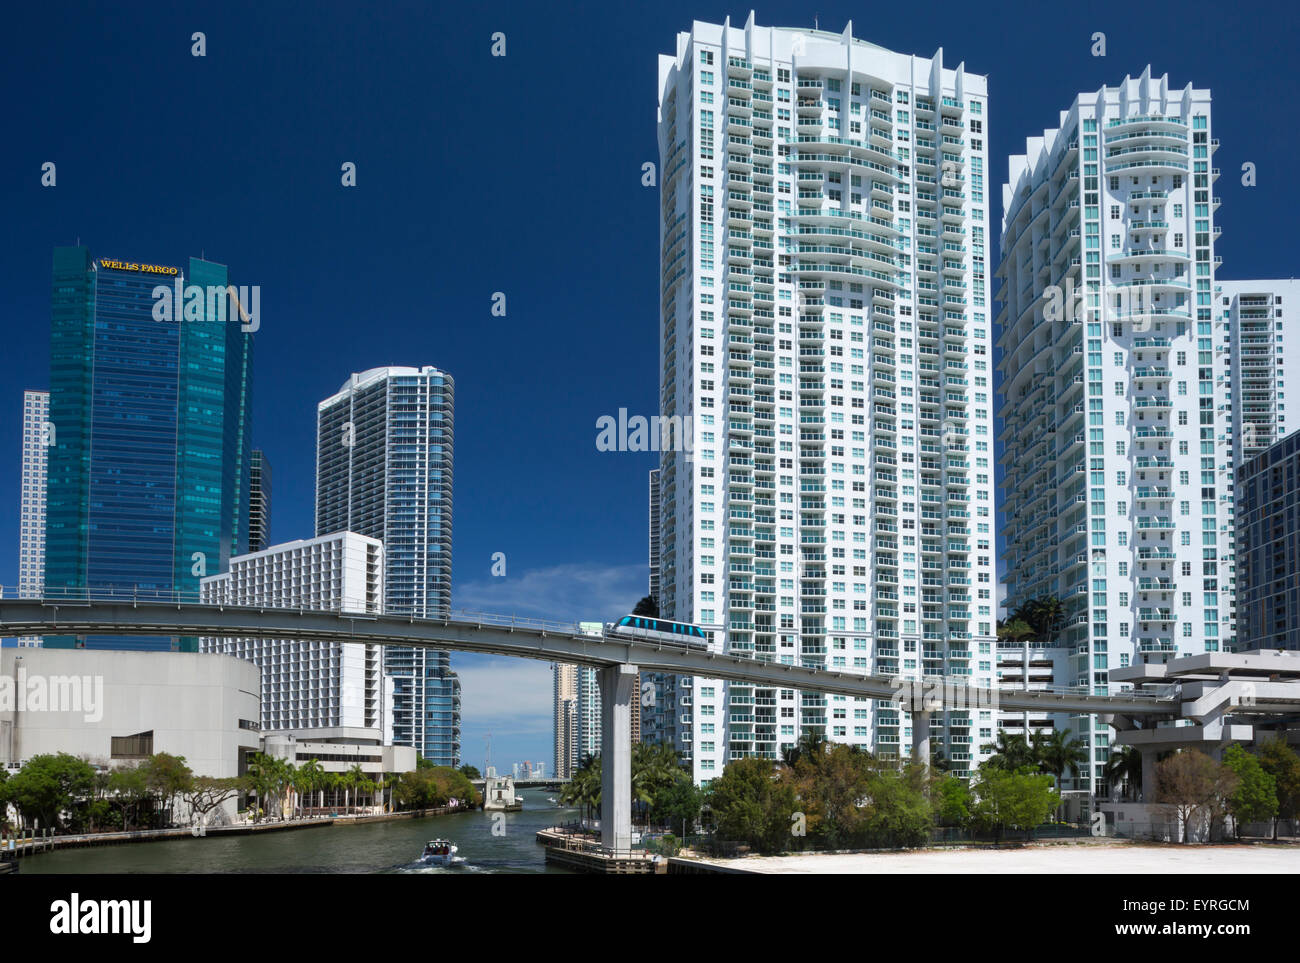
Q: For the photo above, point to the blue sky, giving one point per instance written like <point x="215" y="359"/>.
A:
<point x="476" y="175"/>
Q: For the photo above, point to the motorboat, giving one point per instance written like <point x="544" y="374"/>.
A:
<point x="441" y="852"/>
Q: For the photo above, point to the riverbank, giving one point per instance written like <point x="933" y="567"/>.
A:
<point x="388" y="844"/>
<point x="31" y="845"/>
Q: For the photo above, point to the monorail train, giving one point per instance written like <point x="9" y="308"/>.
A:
<point x="660" y="630"/>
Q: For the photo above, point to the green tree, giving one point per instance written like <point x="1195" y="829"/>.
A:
<point x="678" y="805"/>
<point x="1254" y="799"/>
<point x="751" y="805"/>
<point x="1012" y="800"/>
<point x="647" y="606"/>
<point x="896" y="810"/>
<point x="470" y="772"/>
<point x="127" y="785"/>
<point x="831" y="782"/>
<point x="952" y="801"/>
<point x="167" y="777"/>
<point x="1282" y="763"/>
<point x="48" y="786"/>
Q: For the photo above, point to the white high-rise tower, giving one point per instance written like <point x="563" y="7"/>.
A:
<point x="31" y="514"/>
<point x="824" y="326"/>
<point x="1118" y="468"/>
<point x="384" y="449"/>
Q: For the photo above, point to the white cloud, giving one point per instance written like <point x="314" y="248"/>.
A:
<point x="515" y="691"/>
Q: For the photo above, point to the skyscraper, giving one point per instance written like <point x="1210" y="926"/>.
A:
<point x="1260" y="355"/>
<point x="31" y="513"/>
<point x="148" y="473"/>
<point x="259" y="502"/>
<point x="587" y="713"/>
<point x="1118" y="471"/>
<point x="384" y="450"/>
<point x="311" y="684"/>
<point x="564" y="710"/>
<point x="1268" y="548"/>
<point x="824" y="326"/>
<point x="654" y="535"/>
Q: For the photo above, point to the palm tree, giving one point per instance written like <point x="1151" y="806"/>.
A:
<point x="1014" y="630"/>
<point x="583" y="789"/>
<point x="1010" y="752"/>
<point x="355" y="780"/>
<point x="1058" y="753"/>
<point x="1124" y="768"/>
<point x="1045" y="614"/>
<point x="333" y="781"/>
<point x="308" y="780"/>
<point x="647" y="606"/>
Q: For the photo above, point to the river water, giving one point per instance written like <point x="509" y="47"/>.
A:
<point x="386" y="847"/>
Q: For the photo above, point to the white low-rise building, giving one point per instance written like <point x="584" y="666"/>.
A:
<point x="312" y="684"/>
<point x="117" y="708"/>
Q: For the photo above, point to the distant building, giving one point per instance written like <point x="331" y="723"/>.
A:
<point x="1254" y="314"/>
<point x="564" y="708"/>
<point x="311" y="684"/>
<point x="499" y="794"/>
<point x="588" y="713"/>
<point x="587" y="720"/>
<point x="1268" y="548"/>
<point x="259" y="502"/>
<point x="339" y="748"/>
<point x="31" y="513"/>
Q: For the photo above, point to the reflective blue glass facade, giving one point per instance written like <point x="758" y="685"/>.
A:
<point x="147" y="484"/>
<point x="384" y="468"/>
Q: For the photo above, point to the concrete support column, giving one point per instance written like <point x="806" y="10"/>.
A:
<point x="921" y="739"/>
<point x="617" y="690"/>
<point x="1148" y="775"/>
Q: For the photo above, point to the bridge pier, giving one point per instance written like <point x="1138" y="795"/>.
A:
<point x="921" y="739"/>
<point x="617" y="690"/>
<point x="1148" y="774"/>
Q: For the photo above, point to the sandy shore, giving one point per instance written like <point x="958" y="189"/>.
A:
<point x="1038" y="859"/>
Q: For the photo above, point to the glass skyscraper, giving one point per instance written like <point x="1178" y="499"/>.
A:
<point x="147" y="483"/>
<point x="384" y="450"/>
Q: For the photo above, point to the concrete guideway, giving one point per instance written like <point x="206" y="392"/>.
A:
<point x="618" y="660"/>
<point x="502" y="635"/>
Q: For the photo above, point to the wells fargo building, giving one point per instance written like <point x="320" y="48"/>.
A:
<point x="149" y="464"/>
